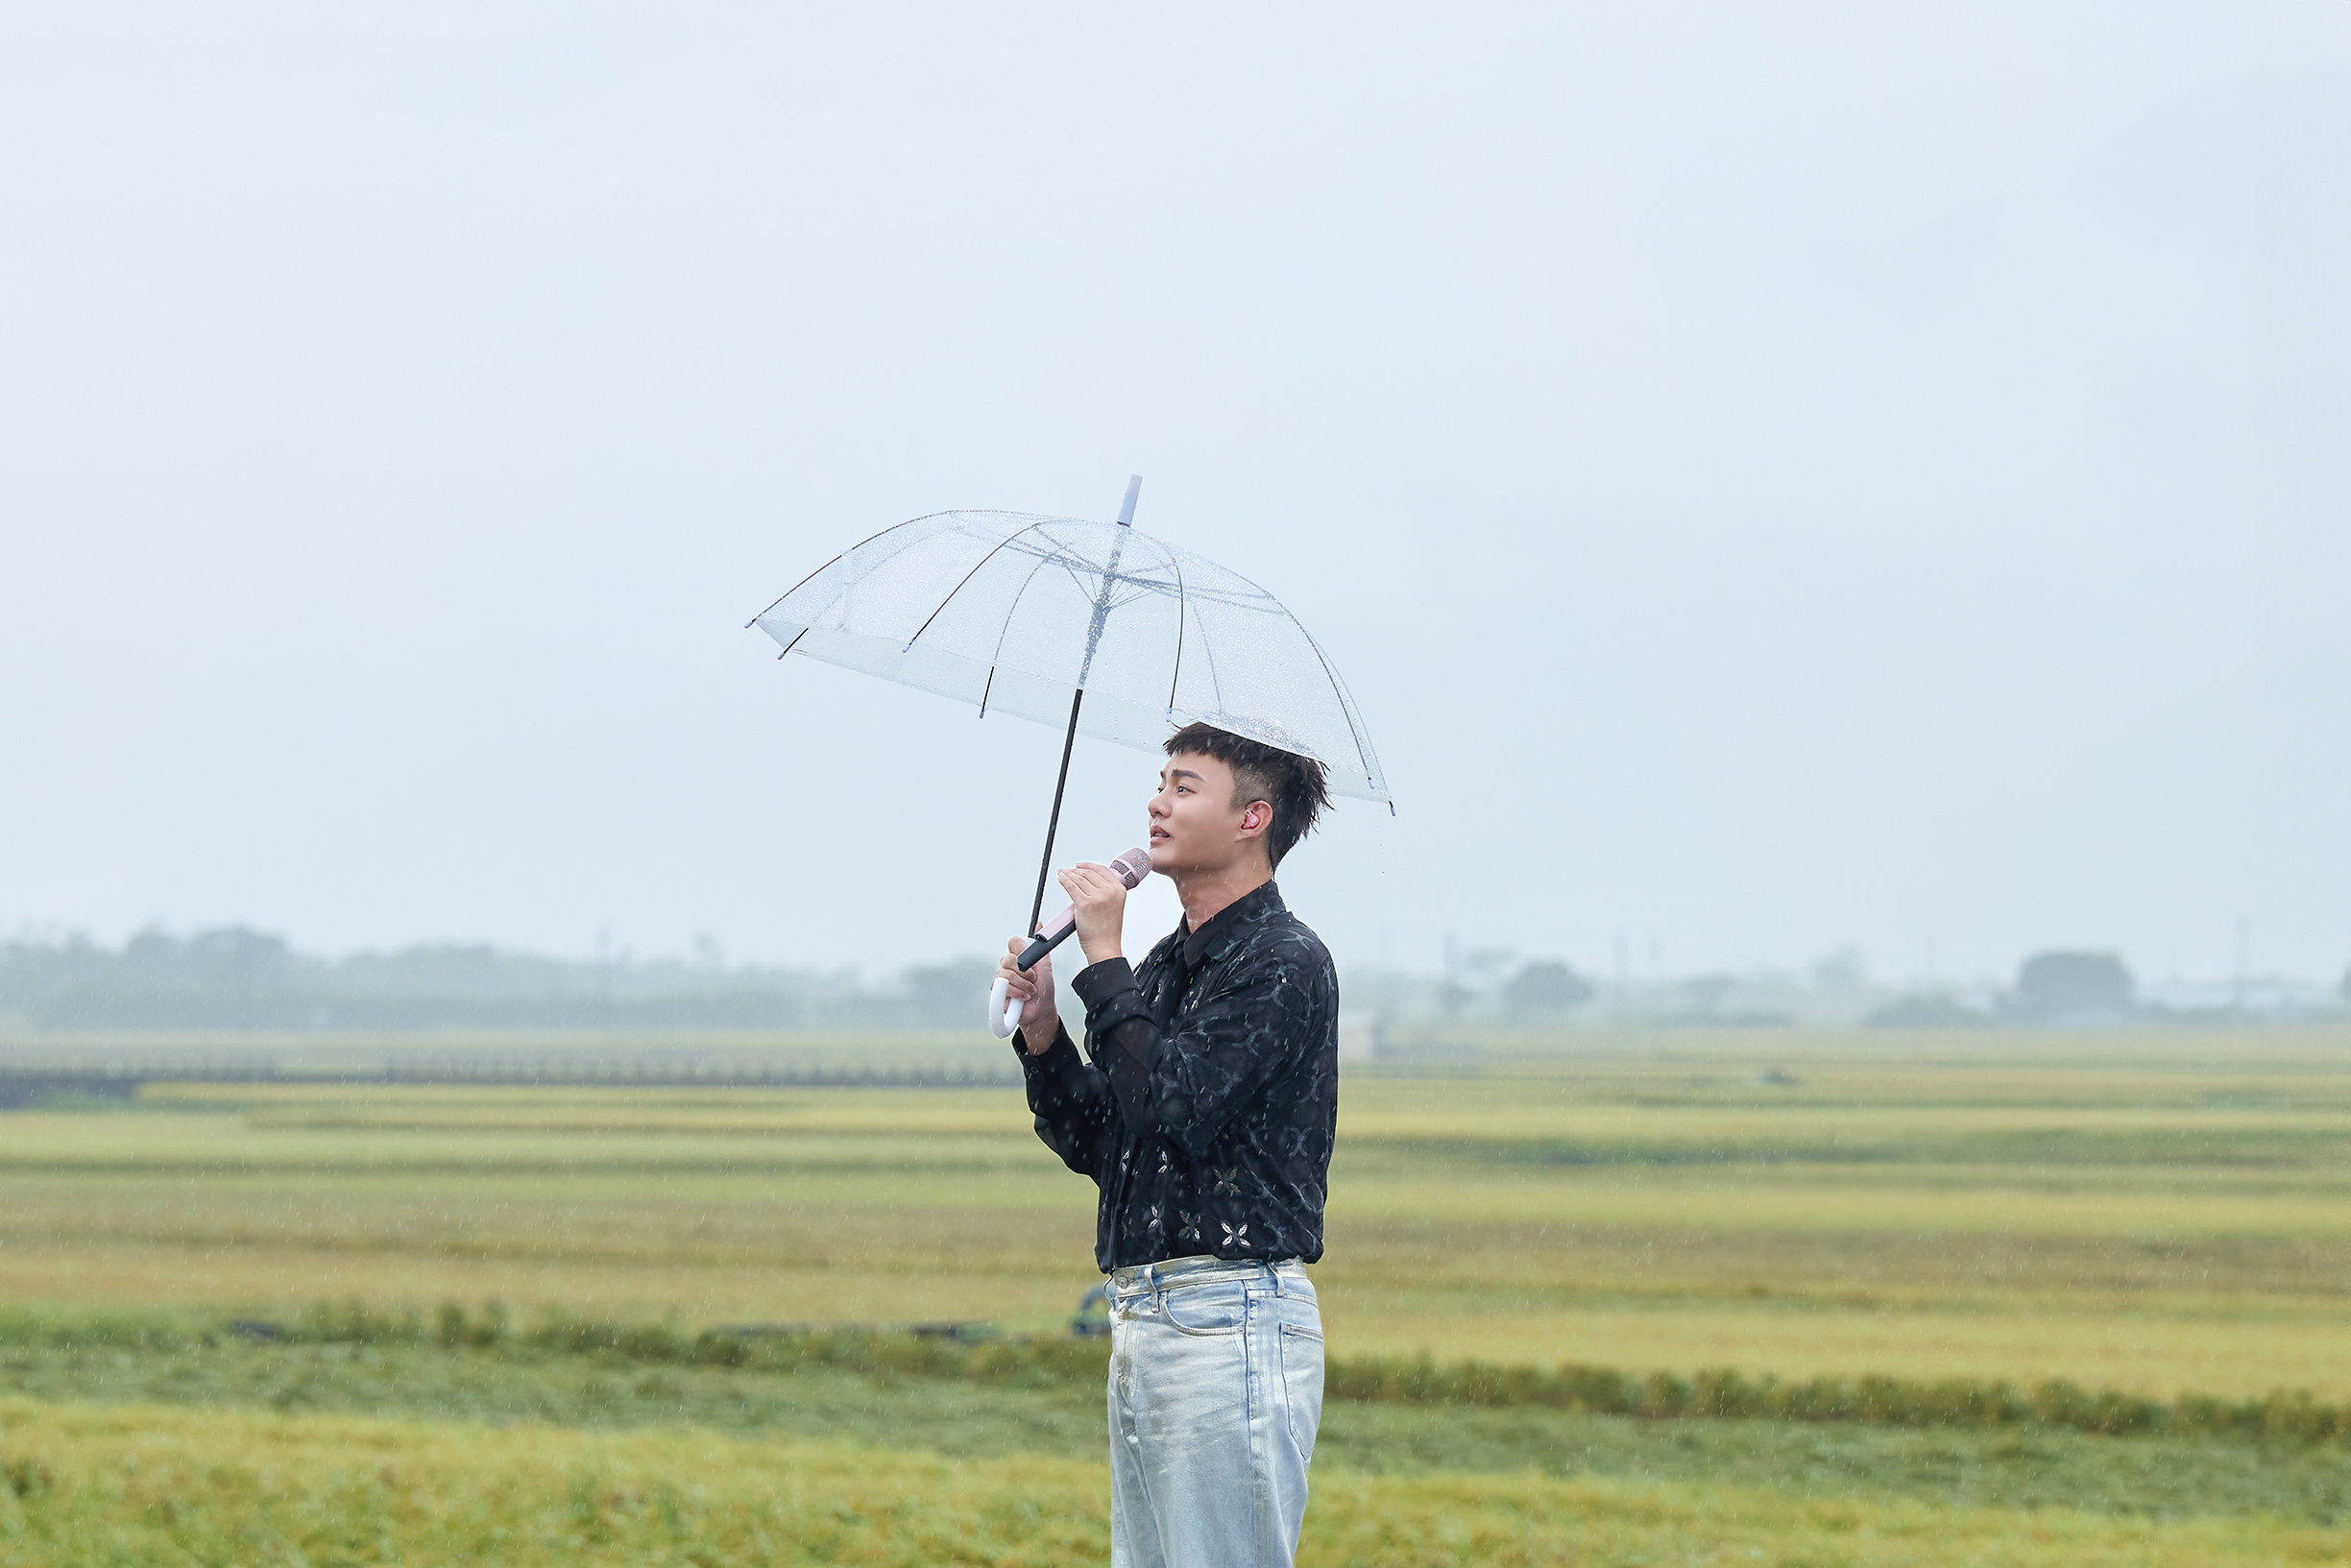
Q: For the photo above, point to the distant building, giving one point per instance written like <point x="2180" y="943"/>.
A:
<point x="1361" y="1036"/>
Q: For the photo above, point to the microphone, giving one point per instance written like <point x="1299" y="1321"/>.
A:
<point x="1131" y="867"/>
<point x="1003" y="1014"/>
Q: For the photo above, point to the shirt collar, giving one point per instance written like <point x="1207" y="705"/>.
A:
<point x="1226" y="926"/>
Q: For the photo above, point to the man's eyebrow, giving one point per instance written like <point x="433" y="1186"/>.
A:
<point x="1181" y="773"/>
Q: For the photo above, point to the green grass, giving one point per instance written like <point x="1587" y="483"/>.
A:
<point x="133" y="1484"/>
<point x="1054" y="1406"/>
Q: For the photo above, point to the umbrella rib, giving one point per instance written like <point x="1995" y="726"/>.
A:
<point x="1060" y="556"/>
<point x="1005" y="630"/>
<point x="968" y="576"/>
<point x="1259" y="600"/>
<point x="1177" y="674"/>
<point x="827" y="567"/>
<point x="804" y="582"/>
<point x="1071" y="572"/>
<point x="1216" y="680"/>
<point x="1339" y="692"/>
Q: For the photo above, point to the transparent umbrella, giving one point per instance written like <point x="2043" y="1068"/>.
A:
<point x="1086" y="626"/>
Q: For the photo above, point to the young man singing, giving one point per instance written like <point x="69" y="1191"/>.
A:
<point x="1204" y="1107"/>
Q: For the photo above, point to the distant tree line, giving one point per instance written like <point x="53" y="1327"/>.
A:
<point x="238" y="978"/>
<point x="235" y="978"/>
<point x="2069" y="987"/>
<point x="2060" y="986"/>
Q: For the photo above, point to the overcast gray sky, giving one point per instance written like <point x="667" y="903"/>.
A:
<point x="1773" y="476"/>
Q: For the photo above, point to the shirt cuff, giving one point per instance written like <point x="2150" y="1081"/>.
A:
<point x="1108" y="991"/>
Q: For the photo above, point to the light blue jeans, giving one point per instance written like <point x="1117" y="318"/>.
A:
<point x="1216" y="1390"/>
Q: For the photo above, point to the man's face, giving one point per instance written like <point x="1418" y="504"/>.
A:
<point x="1195" y="826"/>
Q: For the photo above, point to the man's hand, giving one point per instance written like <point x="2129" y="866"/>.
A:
<point x="1100" y="901"/>
<point x="1040" y="1019"/>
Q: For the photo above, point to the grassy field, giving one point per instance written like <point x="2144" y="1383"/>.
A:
<point x="142" y="1483"/>
<point x="2153" y="1213"/>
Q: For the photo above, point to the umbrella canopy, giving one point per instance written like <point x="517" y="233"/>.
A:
<point x="1060" y="620"/>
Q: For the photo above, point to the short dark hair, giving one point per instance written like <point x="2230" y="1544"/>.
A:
<point x="1297" y="787"/>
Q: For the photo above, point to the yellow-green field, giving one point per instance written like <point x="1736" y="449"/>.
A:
<point x="2158" y="1213"/>
<point x="2144" y="1212"/>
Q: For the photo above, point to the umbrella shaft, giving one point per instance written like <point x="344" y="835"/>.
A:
<point x="1052" y="825"/>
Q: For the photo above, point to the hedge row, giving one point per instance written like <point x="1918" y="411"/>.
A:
<point x="1875" y="1401"/>
<point x="1036" y="1361"/>
<point x="1718" y="1395"/>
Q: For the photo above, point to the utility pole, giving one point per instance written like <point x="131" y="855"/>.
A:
<point x="2244" y="961"/>
<point x="1621" y="978"/>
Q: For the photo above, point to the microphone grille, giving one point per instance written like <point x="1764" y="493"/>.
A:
<point x="1132" y="866"/>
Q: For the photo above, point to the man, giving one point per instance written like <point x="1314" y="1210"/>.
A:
<point x="1203" y="1108"/>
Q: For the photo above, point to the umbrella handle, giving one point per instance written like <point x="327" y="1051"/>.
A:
<point x="1003" y="1018"/>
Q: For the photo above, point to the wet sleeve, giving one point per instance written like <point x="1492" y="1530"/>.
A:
<point x="1076" y="1115"/>
<point x="1188" y="1083"/>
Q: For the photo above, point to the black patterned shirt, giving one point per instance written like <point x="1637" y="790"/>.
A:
<point x="1207" y="1110"/>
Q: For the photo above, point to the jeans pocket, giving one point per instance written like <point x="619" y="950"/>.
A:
<point x="1206" y="1309"/>
<point x="1302" y="1374"/>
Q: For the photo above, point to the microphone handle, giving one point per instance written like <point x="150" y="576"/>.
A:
<point x="1043" y="943"/>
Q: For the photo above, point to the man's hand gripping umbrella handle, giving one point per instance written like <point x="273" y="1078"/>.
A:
<point x="1004" y="1009"/>
<point x="1004" y="1013"/>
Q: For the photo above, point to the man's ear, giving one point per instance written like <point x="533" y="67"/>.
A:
<point x="1256" y="816"/>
